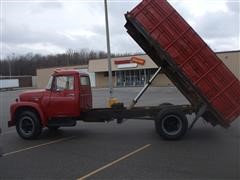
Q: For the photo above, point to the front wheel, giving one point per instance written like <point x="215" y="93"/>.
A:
<point x="28" y="125"/>
<point x="171" y="124"/>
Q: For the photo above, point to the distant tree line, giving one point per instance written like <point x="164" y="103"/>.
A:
<point x="27" y="64"/>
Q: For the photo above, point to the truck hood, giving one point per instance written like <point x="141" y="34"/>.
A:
<point x="32" y="95"/>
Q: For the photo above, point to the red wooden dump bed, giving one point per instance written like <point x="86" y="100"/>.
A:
<point x="186" y="59"/>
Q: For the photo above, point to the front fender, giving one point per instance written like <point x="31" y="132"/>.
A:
<point x="15" y="107"/>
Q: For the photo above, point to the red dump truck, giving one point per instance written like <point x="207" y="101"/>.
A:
<point x="210" y="87"/>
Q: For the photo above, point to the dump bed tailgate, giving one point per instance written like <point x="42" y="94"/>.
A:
<point x="186" y="59"/>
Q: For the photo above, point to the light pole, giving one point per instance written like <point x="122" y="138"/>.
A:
<point x="108" y="52"/>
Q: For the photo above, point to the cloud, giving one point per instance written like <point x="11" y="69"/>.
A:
<point x="74" y="34"/>
<point x="223" y="44"/>
<point x="39" y="48"/>
<point x="233" y="6"/>
<point x="217" y="22"/>
<point x="51" y="5"/>
<point x="43" y="7"/>
<point x="74" y="25"/>
<point x="42" y="47"/>
<point x="59" y="25"/>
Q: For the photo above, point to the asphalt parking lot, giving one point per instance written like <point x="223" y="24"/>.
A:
<point x="131" y="150"/>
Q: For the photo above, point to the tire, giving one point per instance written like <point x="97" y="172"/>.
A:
<point x="171" y="124"/>
<point x="28" y="125"/>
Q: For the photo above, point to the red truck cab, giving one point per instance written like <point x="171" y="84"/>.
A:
<point x="66" y="96"/>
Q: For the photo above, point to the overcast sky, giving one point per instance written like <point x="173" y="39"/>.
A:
<point x="49" y="27"/>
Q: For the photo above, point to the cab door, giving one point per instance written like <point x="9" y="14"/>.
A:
<point x="63" y="100"/>
<point x="85" y="93"/>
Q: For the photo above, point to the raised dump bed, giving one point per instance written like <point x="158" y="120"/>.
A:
<point x="186" y="59"/>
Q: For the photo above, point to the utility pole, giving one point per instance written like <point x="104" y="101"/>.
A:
<point x="108" y="52"/>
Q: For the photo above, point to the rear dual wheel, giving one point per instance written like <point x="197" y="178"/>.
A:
<point x="171" y="124"/>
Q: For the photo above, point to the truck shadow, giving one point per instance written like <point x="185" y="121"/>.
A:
<point x="62" y="133"/>
<point x="203" y="134"/>
<point x="197" y="134"/>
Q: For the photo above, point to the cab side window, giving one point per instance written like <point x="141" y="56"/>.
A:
<point x="64" y="83"/>
<point x="85" y="81"/>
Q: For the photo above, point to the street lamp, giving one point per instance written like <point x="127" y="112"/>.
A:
<point x="108" y="52"/>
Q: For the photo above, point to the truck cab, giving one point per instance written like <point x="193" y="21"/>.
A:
<point x="66" y="96"/>
<point x="68" y="93"/>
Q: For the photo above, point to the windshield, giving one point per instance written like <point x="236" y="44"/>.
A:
<point x="49" y="85"/>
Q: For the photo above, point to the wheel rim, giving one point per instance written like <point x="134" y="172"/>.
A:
<point x="26" y="126"/>
<point x="172" y="124"/>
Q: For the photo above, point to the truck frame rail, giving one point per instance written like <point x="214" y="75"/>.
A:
<point x="119" y="112"/>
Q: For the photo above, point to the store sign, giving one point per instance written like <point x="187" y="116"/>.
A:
<point x="138" y="60"/>
<point x="124" y="66"/>
<point x="133" y="62"/>
<point x="122" y="62"/>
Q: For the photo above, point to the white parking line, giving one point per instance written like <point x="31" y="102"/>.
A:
<point x="37" y="146"/>
<point x="114" y="162"/>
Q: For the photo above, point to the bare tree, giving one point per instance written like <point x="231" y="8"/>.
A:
<point x="28" y="64"/>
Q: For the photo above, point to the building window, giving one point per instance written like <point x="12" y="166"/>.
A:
<point x="133" y="78"/>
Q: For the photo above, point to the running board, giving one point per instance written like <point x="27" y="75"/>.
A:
<point x="61" y="122"/>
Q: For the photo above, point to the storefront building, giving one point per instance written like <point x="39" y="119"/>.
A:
<point x="132" y="71"/>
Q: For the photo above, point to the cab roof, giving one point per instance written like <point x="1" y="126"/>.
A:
<point x="68" y="72"/>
